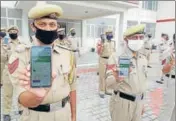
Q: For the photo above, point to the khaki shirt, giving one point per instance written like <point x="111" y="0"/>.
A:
<point x="136" y="82"/>
<point x="60" y="64"/>
<point x="74" y="41"/>
<point x="108" y="48"/>
<point x="63" y="42"/>
<point x="147" y="44"/>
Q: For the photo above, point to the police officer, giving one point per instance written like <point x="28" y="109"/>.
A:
<point x="7" y="85"/>
<point x="162" y="47"/>
<point x="148" y="48"/>
<point x="106" y="50"/>
<point x="169" y="97"/>
<point x="99" y="46"/>
<point x="126" y="104"/>
<point x="4" y="55"/>
<point x="45" y="104"/>
<point x="74" y="43"/>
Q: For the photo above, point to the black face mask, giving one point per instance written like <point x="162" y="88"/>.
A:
<point x="46" y="37"/>
<point x="73" y="34"/>
<point x="2" y="34"/>
<point x="13" y="36"/>
<point x="61" y="36"/>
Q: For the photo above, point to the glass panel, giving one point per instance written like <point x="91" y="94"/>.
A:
<point x="88" y="30"/>
<point x="3" y="22"/>
<point x="11" y="22"/>
<point x="19" y="24"/>
<point x="92" y="31"/>
<point x="14" y="13"/>
<point x="3" y="12"/>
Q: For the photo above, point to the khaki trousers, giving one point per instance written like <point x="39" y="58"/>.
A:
<point x="7" y="92"/>
<point x="125" y="110"/>
<point x="63" y="114"/>
<point x="102" y="69"/>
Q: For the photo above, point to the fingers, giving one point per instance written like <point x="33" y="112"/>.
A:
<point x="24" y="77"/>
<point x="54" y="75"/>
<point x="28" y="67"/>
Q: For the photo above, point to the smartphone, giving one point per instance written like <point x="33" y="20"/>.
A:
<point x="41" y="67"/>
<point x="6" y="40"/>
<point x="124" y="65"/>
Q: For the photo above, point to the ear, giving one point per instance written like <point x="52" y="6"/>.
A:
<point x="32" y="27"/>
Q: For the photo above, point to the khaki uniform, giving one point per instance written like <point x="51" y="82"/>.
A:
<point x="4" y="58"/>
<point x="135" y="84"/>
<point x="147" y="49"/>
<point x="169" y="96"/>
<point x="108" y="48"/>
<point x="60" y="89"/>
<point x="7" y="85"/>
<point x="63" y="42"/>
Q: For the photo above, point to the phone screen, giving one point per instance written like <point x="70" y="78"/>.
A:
<point x="124" y="64"/>
<point x="40" y="66"/>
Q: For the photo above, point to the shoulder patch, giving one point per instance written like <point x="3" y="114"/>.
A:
<point x="13" y="66"/>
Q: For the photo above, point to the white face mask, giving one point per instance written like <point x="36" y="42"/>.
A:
<point x="135" y="45"/>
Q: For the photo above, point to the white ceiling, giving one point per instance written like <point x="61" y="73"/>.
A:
<point x="79" y="10"/>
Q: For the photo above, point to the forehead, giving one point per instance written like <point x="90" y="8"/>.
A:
<point x="45" y="20"/>
<point x="13" y="31"/>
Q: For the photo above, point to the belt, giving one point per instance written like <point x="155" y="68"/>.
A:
<point x="75" y="50"/>
<point x="51" y="107"/>
<point x="105" y="57"/>
<point x="172" y="76"/>
<point x="130" y="97"/>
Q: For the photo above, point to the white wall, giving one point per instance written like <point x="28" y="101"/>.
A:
<point x="166" y="10"/>
<point x="141" y="15"/>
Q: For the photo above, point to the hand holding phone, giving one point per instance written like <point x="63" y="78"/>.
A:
<point x="24" y="77"/>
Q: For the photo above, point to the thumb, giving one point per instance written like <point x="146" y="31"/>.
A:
<point x="54" y="75"/>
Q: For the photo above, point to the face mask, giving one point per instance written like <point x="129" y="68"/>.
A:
<point x="73" y="34"/>
<point x="109" y="37"/>
<point x="2" y="34"/>
<point x="13" y="36"/>
<point x="61" y="36"/>
<point x="46" y="37"/>
<point x="135" y="45"/>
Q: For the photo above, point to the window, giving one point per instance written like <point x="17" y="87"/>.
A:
<point x="131" y="23"/>
<point x="14" y="13"/>
<point x="150" y="5"/>
<point x="3" y="12"/>
<point x="11" y="22"/>
<point x="88" y="30"/>
<point x="3" y="22"/>
<point x="150" y="28"/>
<point x="19" y="24"/>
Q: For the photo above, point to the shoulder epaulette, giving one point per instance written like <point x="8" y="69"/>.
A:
<point x="21" y="48"/>
<point x="65" y="48"/>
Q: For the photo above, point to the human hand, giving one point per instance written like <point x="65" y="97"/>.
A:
<point x="24" y="77"/>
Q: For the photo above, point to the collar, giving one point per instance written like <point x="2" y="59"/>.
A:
<point x="55" y="48"/>
<point x="131" y="54"/>
<point x="16" y="41"/>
